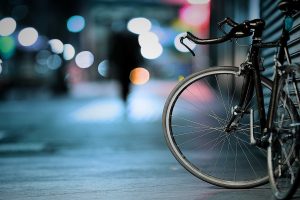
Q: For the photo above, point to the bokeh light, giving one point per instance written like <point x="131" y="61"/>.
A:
<point x="69" y="52"/>
<point x="195" y="15"/>
<point x="84" y="59"/>
<point x="152" y="51"/>
<point x="180" y="47"/>
<point x="76" y="23"/>
<point x="150" y="46"/>
<point x="42" y="56"/>
<point x="56" y="46"/>
<point x="148" y="37"/>
<point x="139" y="25"/>
<point x="7" y="47"/>
<point x="28" y="36"/>
<point x="54" y="62"/>
<point x="7" y="26"/>
<point x="103" y="68"/>
<point x="139" y="76"/>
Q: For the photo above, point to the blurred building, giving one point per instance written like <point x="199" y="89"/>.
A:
<point x="71" y="44"/>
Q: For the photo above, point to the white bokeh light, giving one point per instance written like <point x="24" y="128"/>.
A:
<point x="148" y="37"/>
<point x="180" y="47"/>
<point x="152" y="51"/>
<point x="28" y="36"/>
<point x="69" y="52"/>
<point x="56" y="46"/>
<point x="139" y="25"/>
<point x="7" y="26"/>
<point x="84" y="59"/>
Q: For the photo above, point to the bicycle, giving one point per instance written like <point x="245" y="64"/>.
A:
<point x="231" y="126"/>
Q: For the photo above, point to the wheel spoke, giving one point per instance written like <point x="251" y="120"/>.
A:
<point x="195" y="130"/>
<point x="282" y="160"/>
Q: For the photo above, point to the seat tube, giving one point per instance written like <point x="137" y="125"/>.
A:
<point x="274" y="94"/>
<point x="258" y="86"/>
<point x="255" y="59"/>
<point x="283" y="51"/>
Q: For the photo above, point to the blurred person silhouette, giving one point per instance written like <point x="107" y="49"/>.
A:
<point x="123" y="56"/>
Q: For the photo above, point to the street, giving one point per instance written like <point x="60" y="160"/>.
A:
<point x="88" y="146"/>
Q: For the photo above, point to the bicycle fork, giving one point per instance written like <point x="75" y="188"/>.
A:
<point x="242" y="108"/>
<point x="252" y="82"/>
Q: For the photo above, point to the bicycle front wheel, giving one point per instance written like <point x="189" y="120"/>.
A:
<point x="194" y="119"/>
<point x="283" y="151"/>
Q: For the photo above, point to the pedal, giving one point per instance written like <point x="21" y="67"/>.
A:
<point x="252" y="139"/>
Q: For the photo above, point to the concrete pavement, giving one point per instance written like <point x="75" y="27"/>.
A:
<point x="83" y="147"/>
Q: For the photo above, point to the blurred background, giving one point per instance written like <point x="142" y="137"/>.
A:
<point x="83" y="84"/>
<point x="55" y="47"/>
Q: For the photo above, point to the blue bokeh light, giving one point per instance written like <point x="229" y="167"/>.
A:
<point x="76" y="23"/>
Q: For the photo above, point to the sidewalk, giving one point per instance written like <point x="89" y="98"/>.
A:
<point x="83" y="147"/>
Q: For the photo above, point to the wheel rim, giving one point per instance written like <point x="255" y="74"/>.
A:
<point x="283" y="160"/>
<point x="242" y="165"/>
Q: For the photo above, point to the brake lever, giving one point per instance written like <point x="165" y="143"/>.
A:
<point x="181" y="41"/>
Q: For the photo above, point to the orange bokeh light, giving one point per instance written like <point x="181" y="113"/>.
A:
<point x="139" y="76"/>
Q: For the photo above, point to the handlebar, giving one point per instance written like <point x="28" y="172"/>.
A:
<point x="237" y="31"/>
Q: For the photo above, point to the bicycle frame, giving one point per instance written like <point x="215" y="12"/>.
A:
<point x="251" y="70"/>
<point x="222" y="131"/>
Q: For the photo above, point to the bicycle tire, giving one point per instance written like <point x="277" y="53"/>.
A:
<point x="283" y="151"/>
<point x="236" y="171"/>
